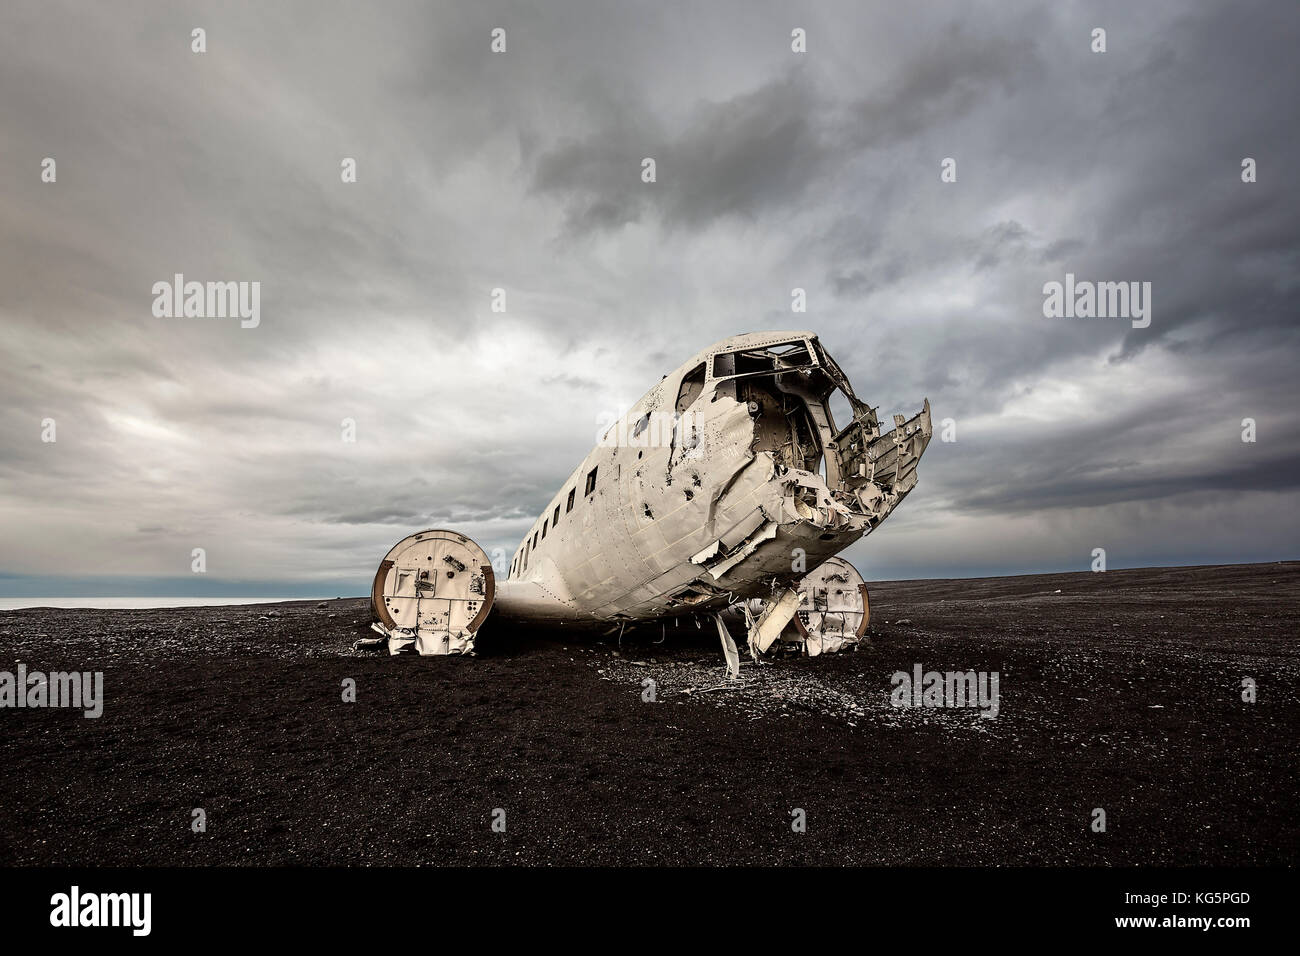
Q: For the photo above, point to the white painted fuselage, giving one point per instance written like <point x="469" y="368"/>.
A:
<point x="728" y="480"/>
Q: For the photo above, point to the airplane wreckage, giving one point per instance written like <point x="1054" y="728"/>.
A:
<point x="711" y="497"/>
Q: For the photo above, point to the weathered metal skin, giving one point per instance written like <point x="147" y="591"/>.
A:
<point x="709" y="515"/>
<point x="432" y="593"/>
<point x="728" y="480"/>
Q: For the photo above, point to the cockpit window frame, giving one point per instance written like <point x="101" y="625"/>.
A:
<point x="716" y="374"/>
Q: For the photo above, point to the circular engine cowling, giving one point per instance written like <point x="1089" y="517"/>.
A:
<point x="432" y="593"/>
<point x="834" y="609"/>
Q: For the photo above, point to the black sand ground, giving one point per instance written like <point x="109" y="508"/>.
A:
<point x="1122" y="691"/>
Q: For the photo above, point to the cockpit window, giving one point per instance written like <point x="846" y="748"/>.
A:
<point x="841" y="411"/>
<point x="766" y="360"/>
<point x="692" y="385"/>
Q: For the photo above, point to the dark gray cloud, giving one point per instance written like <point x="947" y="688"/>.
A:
<point x="755" y="152"/>
<point x="521" y="171"/>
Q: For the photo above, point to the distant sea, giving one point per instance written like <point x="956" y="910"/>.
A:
<point x="127" y="603"/>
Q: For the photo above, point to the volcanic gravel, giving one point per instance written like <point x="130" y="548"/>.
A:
<point x="1119" y="690"/>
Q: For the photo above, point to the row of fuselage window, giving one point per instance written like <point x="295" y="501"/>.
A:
<point x="520" y="563"/>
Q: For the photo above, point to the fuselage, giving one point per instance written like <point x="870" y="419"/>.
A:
<point x="726" y="479"/>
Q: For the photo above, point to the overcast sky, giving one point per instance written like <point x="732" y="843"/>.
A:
<point x="522" y="170"/>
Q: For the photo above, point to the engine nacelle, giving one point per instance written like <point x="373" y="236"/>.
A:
<point x="432" y="593"/>
<point x="834" y="609"/>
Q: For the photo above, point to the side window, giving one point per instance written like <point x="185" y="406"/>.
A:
<point x="841" y="412"/>
<point x="555" y="518"/>
<point x="569" y="506"/>
<point x="534" y="540"/>
<point x="692" y="385"/>
<point x="591" y="482"/>
<point x="543" y="529"/>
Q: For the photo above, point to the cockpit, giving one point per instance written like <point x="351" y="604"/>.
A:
<point x="804" y="410"/>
